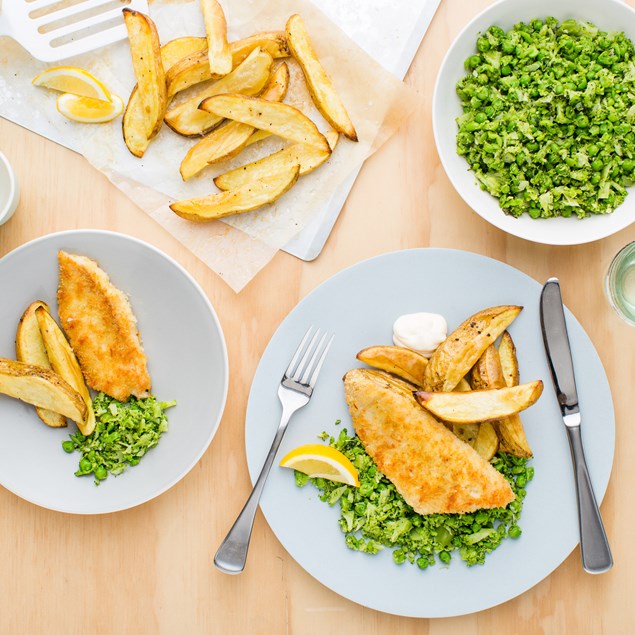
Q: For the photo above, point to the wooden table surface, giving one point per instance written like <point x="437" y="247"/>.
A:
<point x="148" y="570"/>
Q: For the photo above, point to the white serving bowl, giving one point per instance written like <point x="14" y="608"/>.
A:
<point x="608" y="15"/>
<point x="9" y="190"/>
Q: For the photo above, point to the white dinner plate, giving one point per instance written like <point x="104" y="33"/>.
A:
<point x="359" y="305"/>
<point x="187" y="360"/>
<point x="608" y="15"/>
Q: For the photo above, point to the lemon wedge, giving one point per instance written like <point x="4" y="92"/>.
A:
<point x="74" y="80"/>
<point x="322" y="461"/>
<point x="88" y="110"/>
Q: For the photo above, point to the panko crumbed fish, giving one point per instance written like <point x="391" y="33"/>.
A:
<point x="432" y="469"/>
<point x="101" y="328"/>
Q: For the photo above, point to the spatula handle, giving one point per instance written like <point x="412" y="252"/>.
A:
<point x="594" y="545"/>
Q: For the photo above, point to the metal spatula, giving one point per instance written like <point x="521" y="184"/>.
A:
<point x="54" y="30"/>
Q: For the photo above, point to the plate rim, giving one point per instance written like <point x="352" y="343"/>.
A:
<point x="110" y="234"/>
<point x="253" y="474"/>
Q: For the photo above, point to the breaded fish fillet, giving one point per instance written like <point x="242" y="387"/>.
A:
<point x="432" y="469"/>
<point x="101" y="328"/>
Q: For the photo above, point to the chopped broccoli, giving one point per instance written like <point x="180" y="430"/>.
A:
<point x="124" y="432"/>
<point x="547" y="123"/>
<point x="375" y="515"/>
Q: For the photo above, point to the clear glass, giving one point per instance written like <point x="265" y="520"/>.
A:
<point x="620" y="283"/>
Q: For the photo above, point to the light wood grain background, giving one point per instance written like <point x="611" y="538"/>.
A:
<point x="149" y="570"/>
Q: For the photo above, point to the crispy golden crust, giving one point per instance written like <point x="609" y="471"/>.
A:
<point x="433" y="470"/>
<point x="101" y="328"/>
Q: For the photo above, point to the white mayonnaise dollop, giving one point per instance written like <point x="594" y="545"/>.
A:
<point x="420" y="332"/>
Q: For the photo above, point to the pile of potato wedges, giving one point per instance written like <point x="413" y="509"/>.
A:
<point x="230" y="94"/>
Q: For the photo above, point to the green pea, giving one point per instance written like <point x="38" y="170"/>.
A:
<point x="101" y="473"/>
<point x="472" y="62"/>
<point x="515" y="531"/>
<point x="68" y="446"/>
<point x="399" y="556"/>
<point x="422" y="563"/>
<point x="480" y="117"/>
<point x="628" y="166"/>
<point x="592" y="150"/>
<point x="597" y="165"/>
<point x="445" y="556"/>
<point x="85" y="465"/>
<point x="534" y="212"/>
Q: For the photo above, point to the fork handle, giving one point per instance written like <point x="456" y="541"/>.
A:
<point x="232" y="554"/>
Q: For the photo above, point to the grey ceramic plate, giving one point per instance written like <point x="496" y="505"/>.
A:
<point x="359" y="305"/>
<point x="187" y="360"/>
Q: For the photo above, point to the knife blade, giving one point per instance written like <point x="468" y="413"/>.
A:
<point x="594" y="546"/>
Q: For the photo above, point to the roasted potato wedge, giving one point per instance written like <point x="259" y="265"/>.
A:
<point x="194" y="68"/>
<point x="219" y="55"/>
<point x="320" y="86"/>
<point x="41" y="387"/>
<point x="226" y="142"/>
<point x="396" y="360"/>
<point x="248" y="78"/>
<point x="279" y="119"/>
<point x="244" y="199"/>
<point x="259" y="135"/>
<point x="508" y="360"/>
<point x="486" y="443"/>
<point x="171" y="53"/>
<point x="274" y="42"/>
<point x="65" y="364"/>
<point x="188" y="71"/>
<point x="175" y="50"/>
<point x="480" y="405"/>
<point x="488" y="373"/>
<point x="307" y="157"/>
<point x="29" y="348"/>
<point x="145" y="50"/>
<point x="456" y="355"/>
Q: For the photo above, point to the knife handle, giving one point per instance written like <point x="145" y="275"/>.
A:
<point x="594" y="545"/>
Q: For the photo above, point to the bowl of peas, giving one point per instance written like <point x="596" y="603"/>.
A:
<point x="534" y="118"/>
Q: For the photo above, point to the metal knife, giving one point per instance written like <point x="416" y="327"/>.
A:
<point x="594" y="546"/>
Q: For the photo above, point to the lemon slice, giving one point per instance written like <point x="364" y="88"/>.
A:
<point x="70" y="79"/>
<point x="88" y="110"/>
<point x="322" y="461"/>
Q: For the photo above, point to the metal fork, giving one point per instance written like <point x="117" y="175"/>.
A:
<point x="294" y="392"/>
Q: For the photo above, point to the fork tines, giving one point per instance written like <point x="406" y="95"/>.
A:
<point x="306" y="371"/>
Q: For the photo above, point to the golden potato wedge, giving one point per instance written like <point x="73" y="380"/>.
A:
<point x="279" y="119"/>
<point x="456" y="355"/>
<point x="29" y="348"/>
<point x="248" y="78"/>
<point x="219" y="55"/>
<point x="487" y="372"/>
<point x="244" y="199"/>
<point x="463" y="386"/>
<point x="486" y="443"/>
<point x="320" y="86"/>
<point x="480" y="405"/>
<point x="396" y="360"/>
<point x="133" y="125"/>
<point x="274" y="42"/>
<point x="188" y="71"/>
<point x="259" y="135"/>
<point x="41" y="387"/>
<point x="508" y="360"/>
<point x="226" y="142"/>
<point x="307" y="157"/>
<point x="145" y="50"/>
<point x="175" y="50"/>
<point x="65" y="364"/>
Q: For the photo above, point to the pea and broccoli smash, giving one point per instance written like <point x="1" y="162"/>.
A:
<point x="548" y="114"/>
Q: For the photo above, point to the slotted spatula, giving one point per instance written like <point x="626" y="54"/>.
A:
<point x="52" y="30"/>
